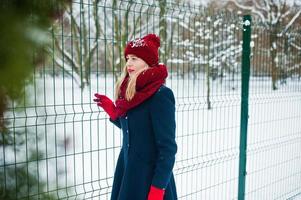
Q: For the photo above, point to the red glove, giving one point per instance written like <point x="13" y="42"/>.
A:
<point x="122" y="103"/>
<point x="122" y="106"/>
<point x="155" y="193"/>
<point x="107" y="104"/>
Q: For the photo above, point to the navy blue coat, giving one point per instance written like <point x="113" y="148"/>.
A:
<point x="148" y="149"/>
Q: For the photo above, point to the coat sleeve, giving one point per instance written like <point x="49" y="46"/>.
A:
<point x="164" y="126"/>
<point x="116" y="122"/>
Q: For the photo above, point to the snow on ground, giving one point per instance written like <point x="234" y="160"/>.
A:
<point x="80" y="145"/>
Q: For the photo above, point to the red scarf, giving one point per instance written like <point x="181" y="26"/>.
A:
<point x="147" y="83"/>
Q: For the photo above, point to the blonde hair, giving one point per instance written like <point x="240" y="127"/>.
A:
<point x="131" y="86"/>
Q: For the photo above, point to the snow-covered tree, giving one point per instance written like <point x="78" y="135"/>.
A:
<point x="209" y="43"/>
<point x="222" y="49"/>
<point x="278" y="16"/>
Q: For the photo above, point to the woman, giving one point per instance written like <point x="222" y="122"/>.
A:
<point x="145" y="111"/>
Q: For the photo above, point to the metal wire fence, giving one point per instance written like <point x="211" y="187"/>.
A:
<point x="60" y="145"/>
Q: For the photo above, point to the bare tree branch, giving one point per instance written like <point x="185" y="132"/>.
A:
<point x="296" y="46"/>
<point x="249" y="8"/>
<point x="259" y="7"/>
<point x="83" y="34"/>
<point x="267" y="5"/>
<point x="76" y="30"/>
<point x="66" y="55"/>
<point x="291" y="21"/>
<point x="68" y="70"/>
<point x="285" y="14"/>
<point x="99" y="30"/>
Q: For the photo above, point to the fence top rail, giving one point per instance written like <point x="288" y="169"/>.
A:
<point x="180" y="10"/>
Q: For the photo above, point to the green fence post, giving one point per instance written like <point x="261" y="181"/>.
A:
<point x="244" y="105"/>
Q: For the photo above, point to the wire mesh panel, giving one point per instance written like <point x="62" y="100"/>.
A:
<point x="274" y="137"/>
<point x="62" y="146"/>
<point x="206" y="81"/>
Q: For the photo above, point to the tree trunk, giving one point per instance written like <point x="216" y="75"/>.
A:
<point x="163" y="30"/>
<point x="273" y="50"/>
<point x="208" y="86"/>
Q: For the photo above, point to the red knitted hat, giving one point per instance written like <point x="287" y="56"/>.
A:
<point x="145" y="48"/>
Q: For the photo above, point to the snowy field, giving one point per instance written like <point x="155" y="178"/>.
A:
<point x="80" y="146"/>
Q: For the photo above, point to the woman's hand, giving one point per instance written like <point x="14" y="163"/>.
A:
<point x="155" y="193"/>
<point x="107" y="104"/>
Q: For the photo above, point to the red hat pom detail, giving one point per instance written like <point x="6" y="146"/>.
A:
<point x="154" y="39"/>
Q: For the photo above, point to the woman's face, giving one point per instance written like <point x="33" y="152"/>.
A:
<point x="135" y="64"/>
